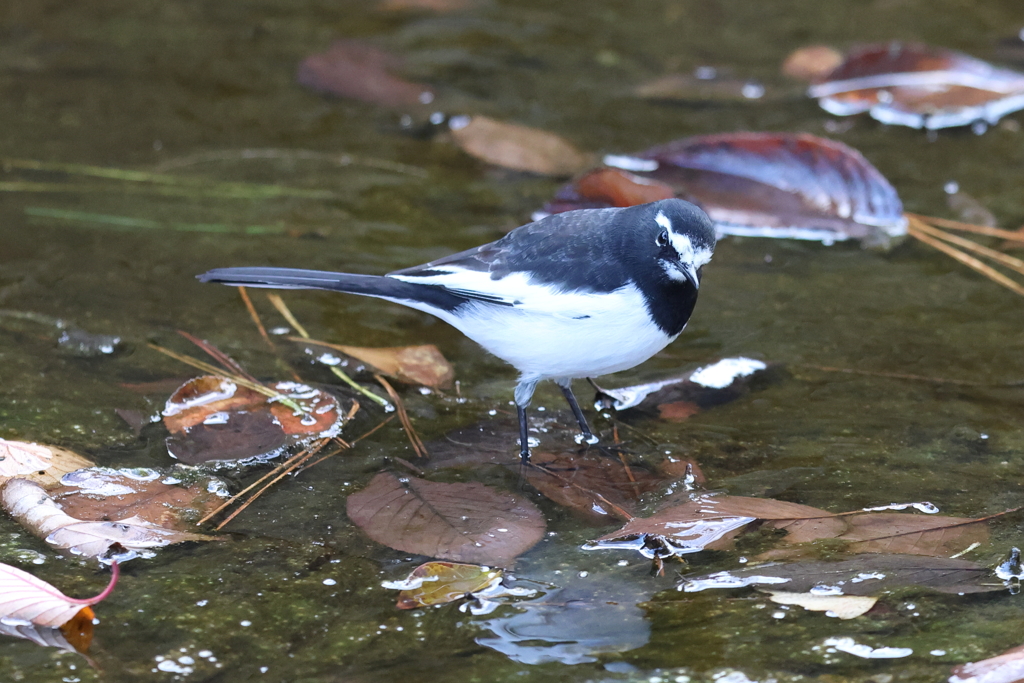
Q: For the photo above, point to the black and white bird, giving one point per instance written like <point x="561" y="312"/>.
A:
<point x="577" y="294"/>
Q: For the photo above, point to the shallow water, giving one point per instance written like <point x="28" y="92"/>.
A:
<point x="186" y="86"/>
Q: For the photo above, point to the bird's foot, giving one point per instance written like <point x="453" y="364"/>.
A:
<point x="586" y="438"/>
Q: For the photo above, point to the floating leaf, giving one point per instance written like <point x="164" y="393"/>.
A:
<point x="463" y="522"/>
<point x="598" y="488"/>
<point x="34" y="509"/>
<point x="619" y="188"/>
<point x="103" y="494"/>
<point x="1005" y="668"/>
<point x="44" y="465"/>
<point x="516" y="147"/>
<point x="681" y="397"/>
<point x="25" y="598"/>
<point x="812" y="62"/>
<point x="438" y="583"/>
<point x="865" y="575"/>
<point x="920" y="86"/>
<point x="840" y="606"/>
<point x="214" y="419"/>
<point x="352" y="69"/>
<point x="423" y="365"/>
<point x="704" y="523"/>
<point x="765" y="185"/>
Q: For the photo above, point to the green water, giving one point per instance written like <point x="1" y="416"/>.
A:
<point x="187" y="86"/>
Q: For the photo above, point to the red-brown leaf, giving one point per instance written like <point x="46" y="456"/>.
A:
<point x="463" y="522"/>
<point x="919" y="86"/>
<point x="349" y="68"/>
<point x="769" y="184"/>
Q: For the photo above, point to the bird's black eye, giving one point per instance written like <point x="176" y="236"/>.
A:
<point x="662" y="240"/>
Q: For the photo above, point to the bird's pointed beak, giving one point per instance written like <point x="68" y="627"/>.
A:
<point x="692" y="274"/>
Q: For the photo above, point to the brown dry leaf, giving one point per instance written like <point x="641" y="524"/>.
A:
<point x="356" y="70"/>
<point x="812" y="62"/>
<point x="701" y="523"/>
<point x="438" y="583"/>
<point x="782" y="185"/>
<point x="101" y="494"/>
<point x="614" y="187"/>
<point x="23" y="597"/>
<point x="1007" y="667"/>
<point x="920" y="86"/>
<point x="423" y="365"/>
<point x="863" y="575"/>
<point x="598" y="488"/>
<point x="34" y="509"/>
<point x="44" y="465"/>
<point x="463" y="522"/>
<point x="678" y="411"/>
<point x="516" y="147"/>
<point x="894" y="532"/>
<point x="841" y="606"/>
<point x="212" y="418"/>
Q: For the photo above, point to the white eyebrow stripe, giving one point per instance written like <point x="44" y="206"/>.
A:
<point x="662" y="220"/>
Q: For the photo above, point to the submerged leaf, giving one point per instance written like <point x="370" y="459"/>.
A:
<point x="920" y="86"/>
<point x="438" y="583"/>
<point x="44" y="465"/>
<point x="356" y="70"/>
<point x="34" y="509"/>
<point x="214" y="419"/>
<point x="463" y="522"/>
<point x="516" y="147"/>
<point x="792" y="185"/>
<point x="866" y="575"/>
<point x="598" y="488"/>
<point x="103" y="494"/>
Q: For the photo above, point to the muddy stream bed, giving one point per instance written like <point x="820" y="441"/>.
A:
<point x="292" y="593"/>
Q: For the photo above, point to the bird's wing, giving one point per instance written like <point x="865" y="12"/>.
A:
<point x="574" y="252"/>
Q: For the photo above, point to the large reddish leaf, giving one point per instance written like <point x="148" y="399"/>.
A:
<point x="34" y="509"/>
<point x="356" y="70"/>
<point x="919" y="86"/>
<point x="463" y="522"/>
<point x="762" y="184"/>
<point x="598" y="488"/>
<point x="103" y="494"/>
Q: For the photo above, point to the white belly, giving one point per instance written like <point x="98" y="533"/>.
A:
<point x="578" y="335"/>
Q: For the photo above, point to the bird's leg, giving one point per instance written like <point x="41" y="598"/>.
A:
<point x="566" y="386"/>
<point x="523" y="395"/>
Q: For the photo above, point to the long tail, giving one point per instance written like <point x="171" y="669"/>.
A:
<point x="423" y="297"/>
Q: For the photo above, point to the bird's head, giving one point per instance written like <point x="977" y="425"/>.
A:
<point x="683" y="239"/>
